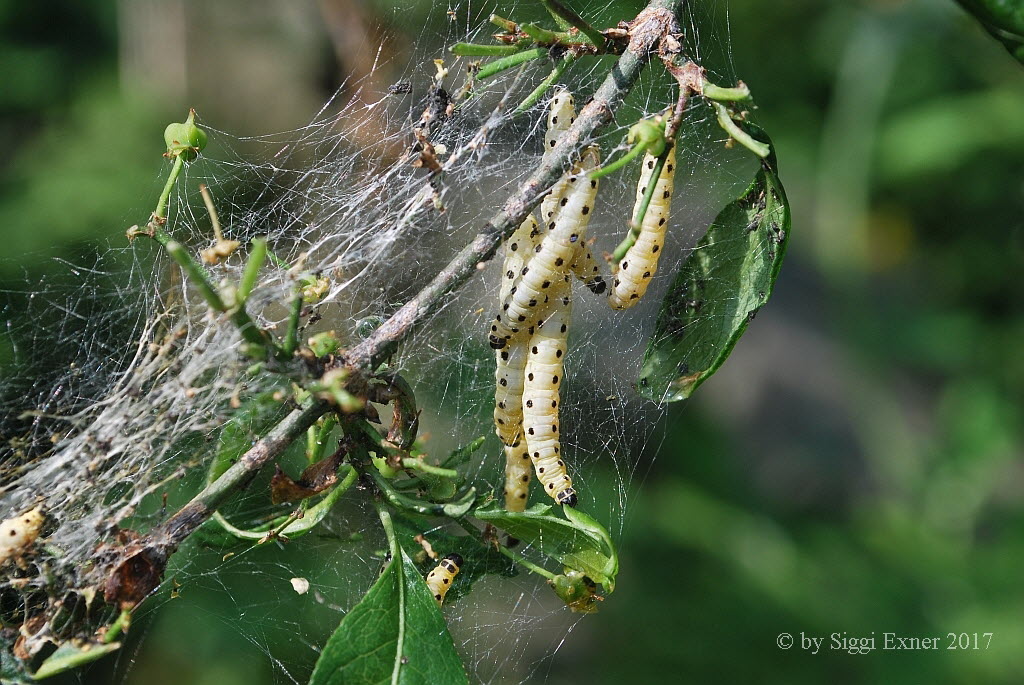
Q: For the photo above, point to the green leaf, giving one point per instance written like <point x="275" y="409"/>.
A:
<point x="718" y="290"/>
<point x="69" y="656"/>
<point x="577" y="541"/>
<point x="479" y="559"/>
<point x="1004" y="19"/>
<point x="396" y="634"/>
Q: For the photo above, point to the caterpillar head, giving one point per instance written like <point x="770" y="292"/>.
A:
<point x="567" y="496"/>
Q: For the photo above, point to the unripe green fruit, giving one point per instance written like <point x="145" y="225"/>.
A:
<point x="577" y="591"/>
<point x="185" y="139"/>
<point x="650" y="134"/>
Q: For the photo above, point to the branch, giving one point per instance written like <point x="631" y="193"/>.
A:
<point x="138" y="571"/>
<point x="650" y="26"/>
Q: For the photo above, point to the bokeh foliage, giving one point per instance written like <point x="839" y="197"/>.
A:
<point x="855" y="466"/>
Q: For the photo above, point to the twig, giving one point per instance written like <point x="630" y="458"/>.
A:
<point x="500" y="65"/>
<point x="291" y="336"/>
<point x="138" y="571"/>
<point x="257" y="256"/>
<point x="476" y="50"/>
<point x="196" y="274"/>
<point x="160" y="213"/>
<point x="558" y="10"/>
<point x="212" y="211"/>
<point x="539" y="91"/>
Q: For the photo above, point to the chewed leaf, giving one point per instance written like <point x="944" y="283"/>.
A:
<point x="719" y="289"/>
<point x="479" y="559"/>
<point x="578" y="542"/>
<point x="396" y="634"/>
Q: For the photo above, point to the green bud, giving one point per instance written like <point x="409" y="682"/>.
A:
<point x="650" y="134"/>
<point x="323" y="344"/>
<point x="185" y="140"/>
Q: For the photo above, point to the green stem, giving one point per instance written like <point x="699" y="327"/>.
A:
<point x="211" y="210"/>
<point x="389" y="529"/>
<point x="291" y="337"/>
<point x="197" y="274"/>
<point x="638" y="219"/>
<point x="278" y="262"/>
<point x="418" y="465"/>
<point x="500" y="65"/>
<point x="161" y="205"/>
<point x="539" y="91"/>
<point x="477" y="50"/>
<point x="516" y="558"/>
<point x="622" y="161"/>
<point x="560" y="11"/>
<point x="738" y="134"/>
<point x="539" y="34"/>
<point x="720" y="94"/>
<point x="124" y="619"/>
<point x="529" y="565"/>
<point x="257" y="256"/>
<point x="317" y="436"/>
<point x="501" y="22"/>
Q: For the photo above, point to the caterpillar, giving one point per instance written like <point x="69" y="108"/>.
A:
<point x="18" y="533"/>
<point x="509" y="373"/>
<point x="588" y="270"/>
<point x="561" y="115"/>
<point x="640" y="262"/>
<point x="544" y="373"/>
<point x="440" y="578"/>
<point x="529" y="299"/>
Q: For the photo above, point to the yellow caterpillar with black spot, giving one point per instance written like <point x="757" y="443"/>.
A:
<point x="440" y="578"/>
<point x="561" y="115"/>
<point x="541" y="397"/>
<point x="640" y="262"/>
<point x="509" y="374"/>
<point x="530" y="299"/>
<point x="19" y="533"/>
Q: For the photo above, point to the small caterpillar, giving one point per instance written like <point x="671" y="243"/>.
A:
<point x="440" y="578"/>
<point x="529" y="300"/>
<point x="509" y="374"/>
<point x="544" y="369"/>
<point x="517" y="476"/>
<point x="640" y="262"/>
<point x="561" y="115"/>
<point x="18" y="533"/>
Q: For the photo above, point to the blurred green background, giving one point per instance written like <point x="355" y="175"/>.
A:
<point x="855" y="466"/>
